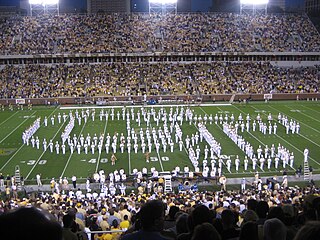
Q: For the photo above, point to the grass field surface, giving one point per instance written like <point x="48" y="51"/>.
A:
<point x="33" y="161"/>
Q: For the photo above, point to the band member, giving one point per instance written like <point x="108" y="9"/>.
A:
<point x="223" y="182"/>
<point x="147" y="155"/>
<point x="113" y="159"/>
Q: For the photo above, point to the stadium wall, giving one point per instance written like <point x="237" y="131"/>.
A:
<point x="167" y="99"/>
<point x="155" y="57"/>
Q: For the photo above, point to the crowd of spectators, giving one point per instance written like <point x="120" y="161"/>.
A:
<point x="121" y="33"/>
<point x="137" y="79"/>
<point x="249" y="214"/>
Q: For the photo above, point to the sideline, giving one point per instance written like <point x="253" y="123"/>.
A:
<point x="16" y="127"/>
<point x="148" y="106"/>
<point x="9" y="160"/>
<point x="36" y="163"/>
<point x="9" y="118"/>
<point x="104" y="132"/>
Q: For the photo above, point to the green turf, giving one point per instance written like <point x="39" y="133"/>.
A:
<point x="33" y="161"/>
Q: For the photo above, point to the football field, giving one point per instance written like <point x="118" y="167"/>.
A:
<point x="33" y="160"/>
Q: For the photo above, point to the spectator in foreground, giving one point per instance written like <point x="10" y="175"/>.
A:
<point x="29" y="223"/>
<point x="274" y="229"/>
<point x="310" y="231"/>
<point x="67" y="225"/>
<point x="249" y="231"/>
<point x="198" y="216"/>
<point x="151" y="219"/>
<point x="205" y="231"/>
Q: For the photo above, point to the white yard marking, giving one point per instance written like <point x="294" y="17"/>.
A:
<point x="289" y="142"/>
<point x="160" y="161"/>
<point x="129" y="159"/>
<point x="149" y="106"/>
<point x="249" y="131"/>
<point x="9" y="118"/>
<point x="44" y="151"/>
<point x="16" y="128"/>
<point x="310" y="109"/>
<point x="218" y="127"/>
<point x="9" y="160"/>
<point x="104" y="132"/>
<point x="302" y="123"/>
<point x="65" y="167"/>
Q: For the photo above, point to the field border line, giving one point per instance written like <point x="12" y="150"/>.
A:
<point x="295" y="118"/>
<point x="9" y="117"/>
<point x="159" y="157"/>
<point x="39" y="158"/>
<point x="303" y="124"/>
<point x="149" y="106"/>
<point x="257" y="138"/>
<point x="17" y="127"/>
<point x="9" y="160"/>
<point x="104" y="132"/>
<point x="309" y="108"/>
<point x="287" y="141"/>
<point x="67" y="163"/>
<point x="223" y="133"/>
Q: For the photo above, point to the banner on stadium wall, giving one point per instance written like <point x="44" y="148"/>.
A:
<point x="20" y="101"/>
<point x="267" y="96"/>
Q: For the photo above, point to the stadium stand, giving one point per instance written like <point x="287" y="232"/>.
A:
<point x="228" y="211"/>
<point x="118" y="79"/>
<point x="119" y="33"/>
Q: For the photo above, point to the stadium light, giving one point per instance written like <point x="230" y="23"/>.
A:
<point x="163" y="6"/>
<point x="44" y="2"/>
<point x="35" y="2"/>
<point x="38" y="7"/>
<point x="253" y="6"/>
<point x="51" y="2"/>
<point x="255" y="2"/>
<point x="163" y="1"/>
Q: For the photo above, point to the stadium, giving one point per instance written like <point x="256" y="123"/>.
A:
<point x="104" y="115"/>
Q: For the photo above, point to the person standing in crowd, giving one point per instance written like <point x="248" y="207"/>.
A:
<point x="151" y="219"/>
<point x="38" y="178"/>
<point x="74" y="181"/>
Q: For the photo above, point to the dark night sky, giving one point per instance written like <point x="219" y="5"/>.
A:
<point x="141" y="5"/>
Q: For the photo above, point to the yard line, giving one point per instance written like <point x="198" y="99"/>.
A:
<point x="302" y="134"/>
<point x="104" y="131"/>
<point x="309" y="116"/>
<point x="148" y="106"/>
<point x="310" y="108"/>
<point x="217" y="126"/>
<point x="309" y="139"/>
<point x="160" y="161"/>
<point x="295" y="119"/>
<point x="297" y="149"/>
<point x="44" y="151"/>
<point x="9" y="160"/>
<point x="65" y="167"/>
<point x="9" y="118"/>
<point x="129" y="158"/>
<point x="289" y="142"/>
<point x="252" y="134"/>
<point x="305" y="114"/>
<point x="249" y="131"/>
<point x="268" y="172"/>
<point x="16" y="128"/>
